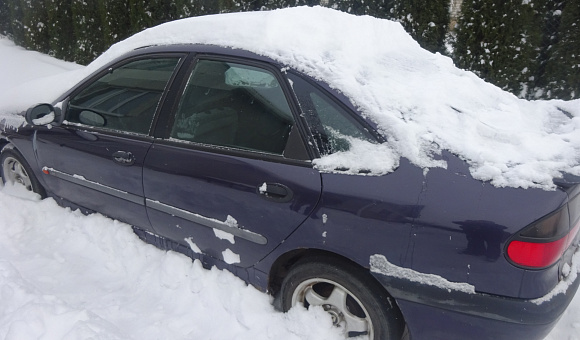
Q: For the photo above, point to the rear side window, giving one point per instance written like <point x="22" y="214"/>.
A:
<point x="126" y="98"/>
<point x="233" y="105"/>
<point x="330" y="124"/>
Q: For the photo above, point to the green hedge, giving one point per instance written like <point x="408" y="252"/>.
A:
<point x="561" y="77"/>
<point x="79" y="30"/>
<point x="426" y="20"/>
<point x="499" y="41"/>
<point x="528" y="47"/>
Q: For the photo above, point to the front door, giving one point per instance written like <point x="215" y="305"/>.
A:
<point x="95" y="159"/>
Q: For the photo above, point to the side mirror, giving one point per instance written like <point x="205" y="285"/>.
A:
<point x="42" y="114"/>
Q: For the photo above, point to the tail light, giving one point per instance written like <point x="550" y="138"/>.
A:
<point x="543" y="243"/>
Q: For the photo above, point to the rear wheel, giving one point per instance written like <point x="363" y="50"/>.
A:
<point x="356" y="303"/>
<point x="15" y="170"/>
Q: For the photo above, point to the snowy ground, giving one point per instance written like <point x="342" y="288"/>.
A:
<point x="68" y="276"/>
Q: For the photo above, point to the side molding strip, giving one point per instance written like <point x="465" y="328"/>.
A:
<point x="186" y="215"/>
<point x="80" y="180"/>
<point x="207" y="222"/>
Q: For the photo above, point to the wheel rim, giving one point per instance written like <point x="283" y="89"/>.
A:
<point x="14" y="172"/>
<point x="345" y="308"/>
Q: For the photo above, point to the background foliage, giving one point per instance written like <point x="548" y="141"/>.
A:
<point x="528" y="47"/>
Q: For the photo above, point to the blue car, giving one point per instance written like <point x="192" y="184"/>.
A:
<point x="208" y="151"/>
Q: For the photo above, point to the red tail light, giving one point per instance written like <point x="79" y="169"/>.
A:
<point x="541" y="244"/>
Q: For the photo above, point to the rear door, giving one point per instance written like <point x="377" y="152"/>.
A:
<point x="95" y="159"/>
<point x="232" y="179"/>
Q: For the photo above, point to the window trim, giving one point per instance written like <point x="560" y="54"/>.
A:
<point x="327" y="91"/>
<point x="163" y="135"/>
<point x="227" y="151"/>
<point x="107" y="69"/>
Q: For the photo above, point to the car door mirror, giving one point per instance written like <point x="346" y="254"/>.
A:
<point x="42" y="114"/>
<point x="91" y="118"/>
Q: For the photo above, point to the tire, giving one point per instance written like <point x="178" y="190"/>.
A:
<point x="356" y="302"/>
<point x="14" y="169"/>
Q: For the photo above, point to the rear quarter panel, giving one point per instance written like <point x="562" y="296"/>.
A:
<point x="443" y="222"/>
<point x="463" y="229"/>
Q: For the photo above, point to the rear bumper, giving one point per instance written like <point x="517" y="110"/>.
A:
<point x="436" y="313"/>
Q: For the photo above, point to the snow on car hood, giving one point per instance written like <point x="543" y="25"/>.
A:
<point x="421" y="102"/>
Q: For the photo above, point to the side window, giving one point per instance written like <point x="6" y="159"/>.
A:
<point x="330" y="124"/>
<point x="126" y="98"/>
<point x="233" y="105"/>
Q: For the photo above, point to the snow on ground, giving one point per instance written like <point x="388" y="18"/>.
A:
<point x="64" y="275"/>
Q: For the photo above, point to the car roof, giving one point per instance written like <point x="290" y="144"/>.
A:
<point x="199" y="48"/>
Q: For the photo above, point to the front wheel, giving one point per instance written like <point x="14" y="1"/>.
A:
<point x="15" y="170"/>
<point x="356" y="302"/>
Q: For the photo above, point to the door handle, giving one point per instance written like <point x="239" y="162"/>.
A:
<point x="123" y="158"/>
<point x="275" y="192"/>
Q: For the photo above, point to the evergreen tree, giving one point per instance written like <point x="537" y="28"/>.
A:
<point x="426" y="20"/>
<point x="149" y="13"/>
<point x="5" y="27"/>
<point x="562" y="74"/>
<point x="209" y="7"/>
<point x="16" y="13"/>
<point x="253" y="5"/>
<point x="188" y="8"/>
<point x="381" y="9"/>
<point x="356" y="7"/>
<point x="35" y="25"/>
<point x="86" y="31"/>
<point x="549" y="16"/>
<point x="139" y="15"/>
<point x="115" y="21"/>
<point x="230" y="6"/>
<point x="378" y="8"/>
<point x="308" y="3"/>
<point x="275" y="4"/>
<point x="161" y="11"/>
<point x="60" y="29"/>
<point x="499" y="42"/>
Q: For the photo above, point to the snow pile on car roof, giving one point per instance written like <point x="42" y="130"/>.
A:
<point x="420" y="100"/>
